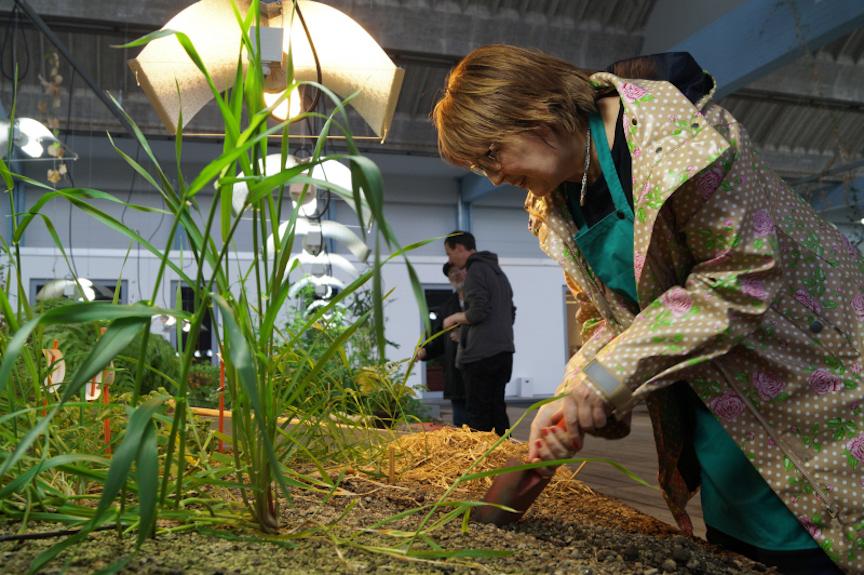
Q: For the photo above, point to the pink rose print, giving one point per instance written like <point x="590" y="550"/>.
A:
<point x="856" y="447"/>
<point x="770" y="442"/>
<point x="855" y="367"/>
<point x="727" y="406"/>
<point x="858" y="305"/>
<point x="677" y="300"/>
<point x="808" y="301"/>
<point x="638" y="263"/>
<point x="708" y="183"/>
<point x="637" y="152"/>
<point x="632" y="91"/>
<point x="762" y="224"/>
<point x="823" y="381"/>
<point x="768" y="385"/>
<point x="814" y="530"/>
<point x="754" y="288"/>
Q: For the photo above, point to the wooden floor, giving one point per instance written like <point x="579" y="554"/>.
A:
<point x="636" y="452"/>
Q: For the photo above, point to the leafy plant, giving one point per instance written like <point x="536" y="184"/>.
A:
<point x="160" y="457"/>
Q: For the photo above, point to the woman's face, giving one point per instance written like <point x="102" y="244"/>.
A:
<point x="537" y="161"/>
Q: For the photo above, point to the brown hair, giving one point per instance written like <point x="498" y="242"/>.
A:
<point x="499" y="90"/>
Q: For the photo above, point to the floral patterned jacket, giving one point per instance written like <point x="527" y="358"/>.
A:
<point x="746" y="294"/>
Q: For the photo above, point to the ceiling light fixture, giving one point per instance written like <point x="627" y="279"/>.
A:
<point x="350" y="60"/>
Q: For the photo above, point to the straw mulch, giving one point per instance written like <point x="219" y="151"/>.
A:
<point x="432" y="461"/>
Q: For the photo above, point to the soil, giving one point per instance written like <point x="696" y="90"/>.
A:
<point x="570" y="530"/>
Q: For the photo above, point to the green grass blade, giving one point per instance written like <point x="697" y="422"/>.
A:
<point x="121" y="462"/>
<point x="147" y="469"/>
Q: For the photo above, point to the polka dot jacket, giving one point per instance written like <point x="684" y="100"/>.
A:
<point x="746" y="294"/>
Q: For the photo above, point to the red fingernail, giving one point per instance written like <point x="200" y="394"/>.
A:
<point x="544" y="432"/>
<point x="538" y="443"/>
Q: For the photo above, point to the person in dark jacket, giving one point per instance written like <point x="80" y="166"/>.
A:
<point x="446" y="345"/>
<point x="486" y="358"/>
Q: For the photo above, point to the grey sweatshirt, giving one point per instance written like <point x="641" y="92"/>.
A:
<point x="489" y="309"/>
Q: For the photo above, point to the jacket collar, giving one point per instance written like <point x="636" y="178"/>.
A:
<point x="662" y="128"/>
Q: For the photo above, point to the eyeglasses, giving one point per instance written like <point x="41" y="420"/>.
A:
<point x="484" y="166"/>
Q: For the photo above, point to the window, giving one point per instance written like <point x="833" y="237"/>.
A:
<point x="103" y="289"/>
<point x="207" y="346"/>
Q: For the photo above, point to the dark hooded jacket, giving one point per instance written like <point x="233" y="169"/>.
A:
<point x="489" y="309"/>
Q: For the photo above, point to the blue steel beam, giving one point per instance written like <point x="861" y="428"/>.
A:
<point x="471" y="188"/>
<point x="760" y="36"/>
<point x="842" y="196"/>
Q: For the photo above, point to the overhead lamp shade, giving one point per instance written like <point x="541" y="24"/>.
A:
<point x="328" y="229"/>
<point x="33" y="141"/>
<point x="83" y="289"/>
<point x="163" y="68"/>
<point x="351" y="61"/>
<point x="317" y="281"/>
<point x="324" y="260"/>
<point x="270" y="166"/>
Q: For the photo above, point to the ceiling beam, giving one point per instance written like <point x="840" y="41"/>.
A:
<point x="841" y="197"/>
<point x="757" y="37"/>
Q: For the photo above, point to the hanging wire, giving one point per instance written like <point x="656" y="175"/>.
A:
<point x="69" y="171"/>
<point x="10" y="38"/>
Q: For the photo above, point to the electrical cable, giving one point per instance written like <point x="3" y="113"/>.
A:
<point x="25" y="69"/>
<point x="319" y="76"/>
<point x="69" y="173"/>
<point x="50" y="534"/>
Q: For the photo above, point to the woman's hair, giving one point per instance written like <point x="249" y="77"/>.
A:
<point x="499" y="90"/>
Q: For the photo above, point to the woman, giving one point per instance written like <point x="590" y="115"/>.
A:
<point x="715" y="293"/>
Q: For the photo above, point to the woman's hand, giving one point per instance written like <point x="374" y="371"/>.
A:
<point x="582" y="410"/>
<point x="549" y="441"/>
<point x="458" y="318"/>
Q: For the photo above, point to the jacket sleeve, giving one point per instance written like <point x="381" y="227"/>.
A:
<point x="729" y="232"/>
<point x="595" y="337"/>
<point x="478" y="301"/>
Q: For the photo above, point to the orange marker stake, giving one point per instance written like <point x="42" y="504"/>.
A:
<point x="221" y="404"/>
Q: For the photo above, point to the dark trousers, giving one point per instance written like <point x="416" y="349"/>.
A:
<point x="458" y="412"/>
<point x="485" y="381"/>
<point x="804" y="562"/>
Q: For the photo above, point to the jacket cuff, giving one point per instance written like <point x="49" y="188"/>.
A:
<point x="605" y="383"/>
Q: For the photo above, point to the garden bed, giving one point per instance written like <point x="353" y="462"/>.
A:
<point x="570" y="529"/>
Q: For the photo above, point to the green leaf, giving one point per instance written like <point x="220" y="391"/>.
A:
<point x="121" y="463"/>
<point x="147" y="468"/>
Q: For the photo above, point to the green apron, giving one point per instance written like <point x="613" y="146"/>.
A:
<point x="608" y="244"/>
<point x="735" y="498"/>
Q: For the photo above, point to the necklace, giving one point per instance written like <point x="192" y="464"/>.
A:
<point x="587" y="164"/>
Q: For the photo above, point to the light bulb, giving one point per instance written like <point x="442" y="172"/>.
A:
<point x="290" y="107"/>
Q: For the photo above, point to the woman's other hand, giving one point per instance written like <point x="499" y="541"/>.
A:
<point x="550" y="441"/>
<point x="584" y="409"/>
